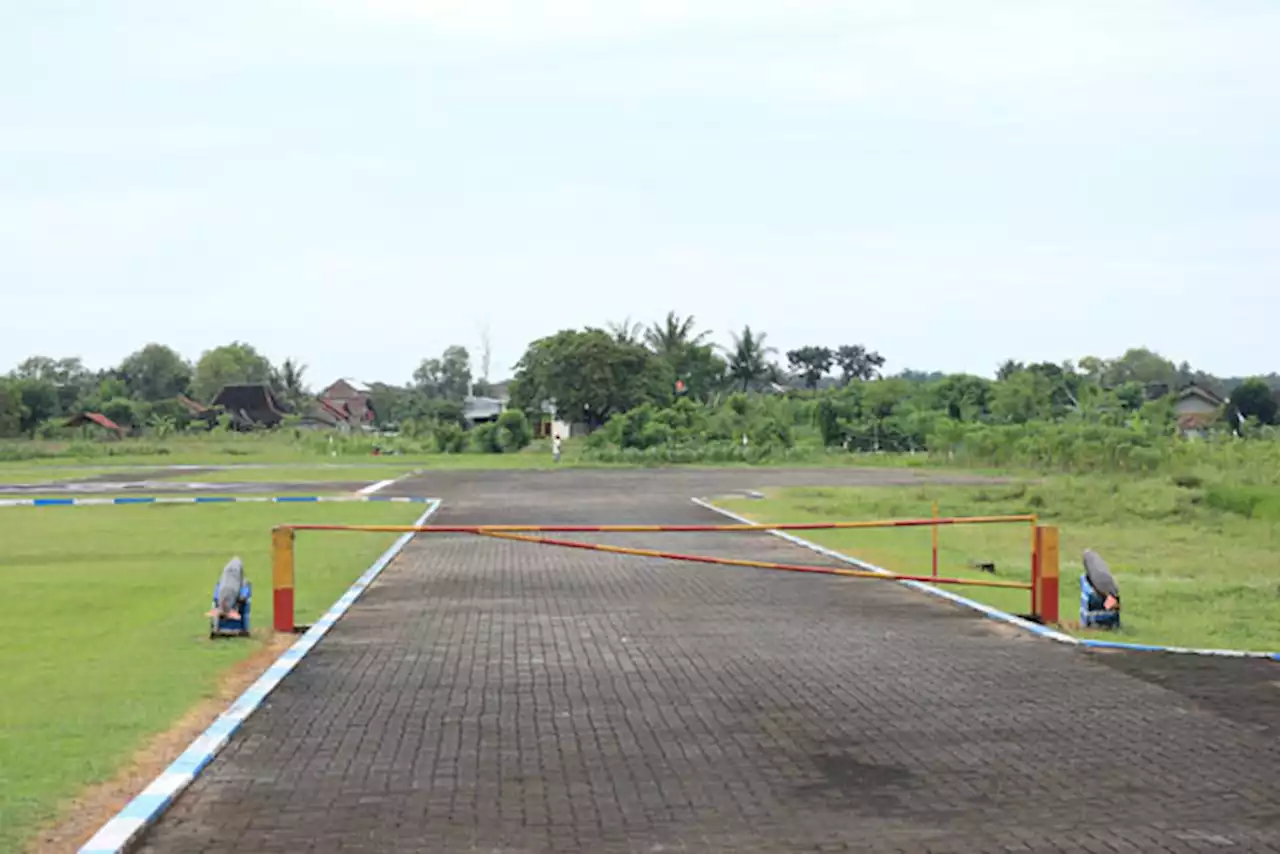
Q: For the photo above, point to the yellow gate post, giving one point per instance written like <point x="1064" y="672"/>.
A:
<point x="1046" y="581"/>
<point x="282" y="578"/>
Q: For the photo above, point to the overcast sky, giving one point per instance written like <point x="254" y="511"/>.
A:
<point x="360" y="183"/>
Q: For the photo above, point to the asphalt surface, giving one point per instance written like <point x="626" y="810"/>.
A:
<point x="505" y="697"/>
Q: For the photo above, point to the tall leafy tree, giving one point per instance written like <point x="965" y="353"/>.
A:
<point x="231" y="364"/>
<point x="155" y="372"/>
<point x="455" y="373"/>
<point x="588" y="375"/>
<point x="290" y="382"/>
<point x="11" y="409"/>
<point x="673" y="335"/>
<point x="1253" y="399"/>
<point x="696" y="369"/>
<point x="70" y="379"/>
<point x="627" y="331"/>
<point x="39" y="400"/>
<point x="748" y="358"/>
<point x="448" y="377"/>
<point x="811" y="363"/>
<point x="856" y="362"/>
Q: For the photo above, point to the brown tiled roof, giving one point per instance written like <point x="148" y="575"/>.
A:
<point x="1196" y="420"/>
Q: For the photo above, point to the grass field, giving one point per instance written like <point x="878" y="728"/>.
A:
<point x="105" y="642"/>
<point x="1190" y="572"/>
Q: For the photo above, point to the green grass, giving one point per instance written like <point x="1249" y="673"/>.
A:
<point x="105" y="642"/>
<point x="1190" y="573"/>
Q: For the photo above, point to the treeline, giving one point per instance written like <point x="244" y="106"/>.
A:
<point x="666" y="391"/>
<point x="39" y="395"/>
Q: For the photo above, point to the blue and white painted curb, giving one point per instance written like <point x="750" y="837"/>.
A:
<point x="114" y="836"/>
<point x="987" y="610"/>
<point x="209" y="499"/>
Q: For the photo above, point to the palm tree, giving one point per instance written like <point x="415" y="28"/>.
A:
<point x="289" y="381"/>
<point x="626" y="332"/>
<point x="749" y="358"/>
<point x="673" y="335"/>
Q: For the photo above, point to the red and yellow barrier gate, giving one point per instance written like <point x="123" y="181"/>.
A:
<point x="1044" y="552"/>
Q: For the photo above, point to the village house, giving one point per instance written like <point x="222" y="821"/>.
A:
<point x="1196" y="408"/>
<point x="348" y="402"/>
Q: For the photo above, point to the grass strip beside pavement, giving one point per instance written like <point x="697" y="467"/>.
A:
<point x="106" y="643"/>
<point x="1190" y="574"/>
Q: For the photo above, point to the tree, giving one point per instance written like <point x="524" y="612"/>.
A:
<point x="231" y="364"/>
<point x="674" y="335"/>
<point x="811" y="363"/>
<point x="69" y="378"/>
<point x="39" y="398"/>
<point x="291" y="385"/>
<point x="587" y="375"/>
<point x="962" y="397"/>
<point x="627" y="332"/>
<point x="122" y="411"/>
<point x="1143" y="366"/>
<point x="455" y="373"/>
<point x="448" y="377"/>
<point x="749" y="358"/>
<point x="1253" y="399"/>
<point x="155" y="372"/>
<point x="857" y="363"/>
<point x="514" y="432"/>
<point x="12" y="413"/>
<point x="1024" y="396"/>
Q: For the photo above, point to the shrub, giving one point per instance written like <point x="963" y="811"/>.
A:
<point x="485" y="439"/>
<point x="514" y="433"/>
<point x="449" y="438"/>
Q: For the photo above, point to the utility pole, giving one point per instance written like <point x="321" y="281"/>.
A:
<point x="486" y="352"/>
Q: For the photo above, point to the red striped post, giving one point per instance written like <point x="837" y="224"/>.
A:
<point x="1044" y="585"/>
<point x="282" y="578"/>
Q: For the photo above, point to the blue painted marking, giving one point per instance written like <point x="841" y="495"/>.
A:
<point x="116" y="835"/>
<point x="143" y="805"/>
<point x="203" y="499"/>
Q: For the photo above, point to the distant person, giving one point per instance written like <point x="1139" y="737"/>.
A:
<point x="555" y="447"/>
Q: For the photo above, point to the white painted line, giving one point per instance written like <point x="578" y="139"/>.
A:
<point x="383" y="484"/>
<point x="141" y="812"/>
<point x="987" y="610"/>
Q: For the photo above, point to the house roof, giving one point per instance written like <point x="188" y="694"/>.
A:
<point x="481" y="407"/>
<point x="354" y="385"/>
<point x="95" y="417"/>
<point x="253" y="400"/>
<point x="1196" y="420"/>
<point x="1202" y="393"/>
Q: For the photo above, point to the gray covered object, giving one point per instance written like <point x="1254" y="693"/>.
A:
<point x="229" y="585"/>
<point x="1099" y="574"/>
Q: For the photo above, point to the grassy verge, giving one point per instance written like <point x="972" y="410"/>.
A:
<point x="1192" y="572"/>
<point x="282" y="448"/>
<point x="105" y="642"/>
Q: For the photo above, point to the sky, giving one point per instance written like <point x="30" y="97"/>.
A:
<point x="358" y="184"/>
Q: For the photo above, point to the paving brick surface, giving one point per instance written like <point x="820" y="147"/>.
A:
<point x="495" y="696"/>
